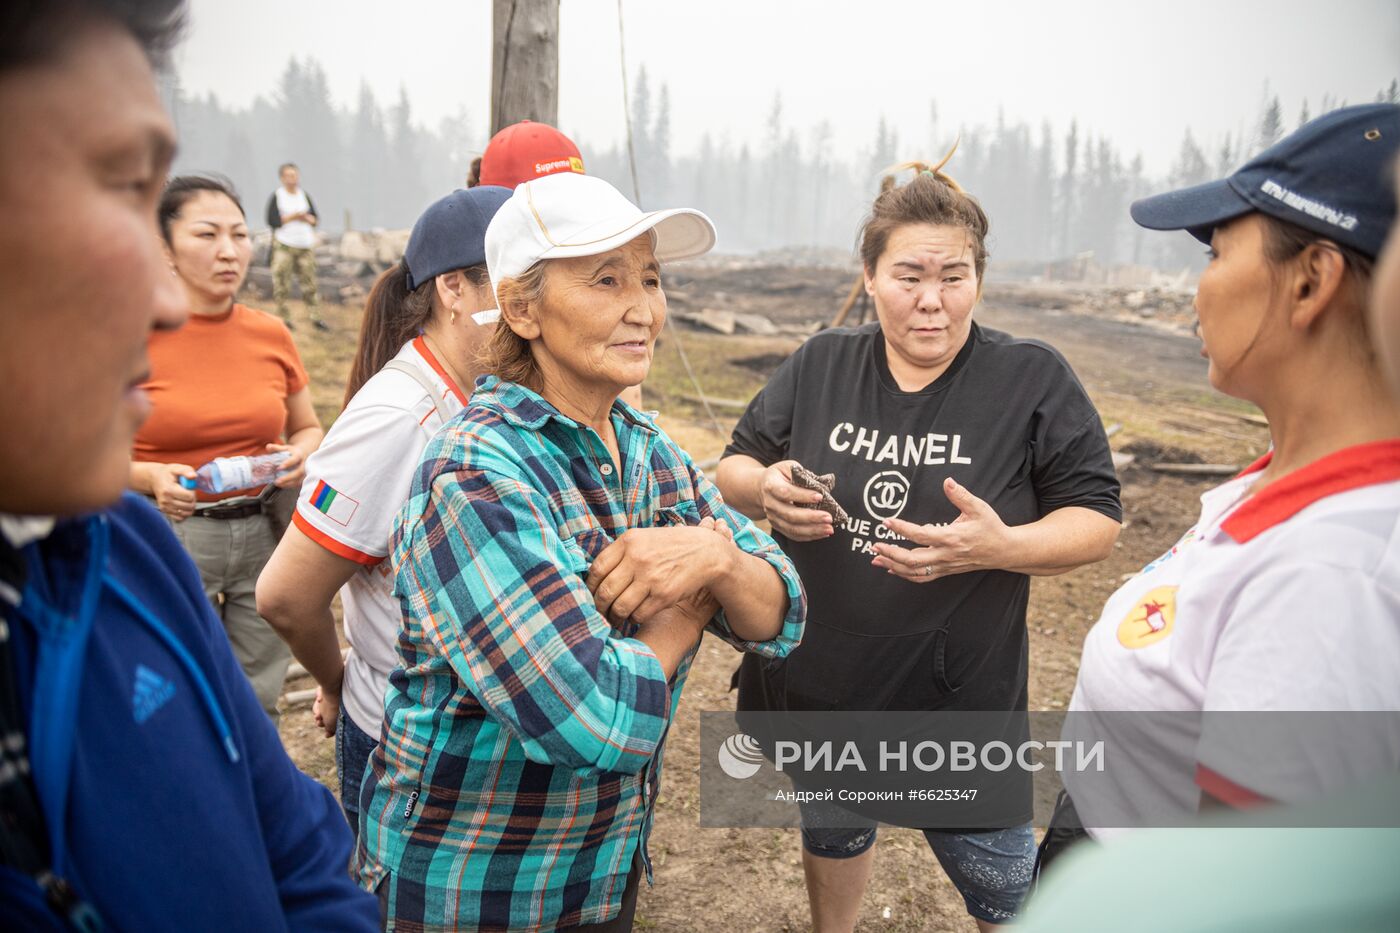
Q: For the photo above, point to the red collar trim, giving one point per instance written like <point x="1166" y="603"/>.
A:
<point x="1257" y="465"/>
<point x="1347" y="469"/>
<point x="421" y="346"/>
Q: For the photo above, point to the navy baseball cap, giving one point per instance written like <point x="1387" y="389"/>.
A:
<point x="1332" y="176"/>
<point x="451" y="234"/>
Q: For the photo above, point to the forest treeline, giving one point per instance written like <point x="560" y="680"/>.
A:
<point x="1049" y="194"/>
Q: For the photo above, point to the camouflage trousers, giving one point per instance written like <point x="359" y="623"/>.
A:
<point x="286" y="262"/>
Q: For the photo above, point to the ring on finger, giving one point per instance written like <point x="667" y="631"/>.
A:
<point x="928" y="570"/>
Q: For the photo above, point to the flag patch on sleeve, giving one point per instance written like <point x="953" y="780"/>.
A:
<point x="335" y="505"/>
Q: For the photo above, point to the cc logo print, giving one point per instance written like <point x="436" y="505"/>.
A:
<point x="886" y="494"/>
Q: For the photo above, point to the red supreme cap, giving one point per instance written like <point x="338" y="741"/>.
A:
<point x="526" y="150"/>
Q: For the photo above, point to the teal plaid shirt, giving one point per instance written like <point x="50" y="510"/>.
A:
<point x="521" y="751"/>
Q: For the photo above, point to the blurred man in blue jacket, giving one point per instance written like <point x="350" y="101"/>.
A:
<point x="141" y="786"/>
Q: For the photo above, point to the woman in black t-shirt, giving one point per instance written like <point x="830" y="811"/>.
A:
<point x="967" y="460"/>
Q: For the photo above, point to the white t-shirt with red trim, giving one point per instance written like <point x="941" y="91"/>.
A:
<point x="1285" y="600"/>
<point x="356" y="482"/>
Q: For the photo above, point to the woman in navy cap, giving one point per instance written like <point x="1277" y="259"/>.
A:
<point x="414" y="369"/>
<point x="1285" y="594"/>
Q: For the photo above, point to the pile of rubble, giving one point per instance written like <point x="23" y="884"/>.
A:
<point x="815" y="257"/>
<point x="1164" y="305"/>
<point x="346" y="264"/>
<point x="730" y="323"/>
<point x="790" y="292"/>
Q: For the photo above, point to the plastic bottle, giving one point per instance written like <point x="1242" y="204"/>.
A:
<point x="225" y="474"/>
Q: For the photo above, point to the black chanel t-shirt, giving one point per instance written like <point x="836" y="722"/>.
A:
<point x="1009" y="421"/>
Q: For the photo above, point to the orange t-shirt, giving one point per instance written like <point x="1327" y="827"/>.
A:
<point x="219" y="388"/>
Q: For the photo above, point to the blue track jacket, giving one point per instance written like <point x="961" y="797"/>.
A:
<point x="169" y="801"/>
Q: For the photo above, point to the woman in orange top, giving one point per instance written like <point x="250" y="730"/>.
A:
<point x="229" y="383"/>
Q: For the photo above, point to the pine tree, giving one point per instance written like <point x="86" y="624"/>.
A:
<point x="641" y="104"/>
<point x="1189" y="169"/>
<point x="1041" y="219"/>
<point x="772" y="169"/>
<point x="1270" y="125"/>
<point x="459" y="143"/>
<point x="1225" y="159"/>
<point x="641" y="128"/>
<point x="1137" y="188"/>
<point x="1067" y="188"/>
<point x="936" y="144"/>
<point x="743" y="178"/>
<point x="371" y="156"/>
<point x="238" y="163"/>
<point x="885" y="152"/>
<point x="659" y="153"/>
<point x="820" y="179"/>
<point x="1103" y="210"/>
<point x="700" y="177"/>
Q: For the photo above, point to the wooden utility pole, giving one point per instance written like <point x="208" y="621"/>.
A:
<point x="524" y="62"/>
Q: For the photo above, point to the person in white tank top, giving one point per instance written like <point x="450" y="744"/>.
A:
<point x="414" y="369"/>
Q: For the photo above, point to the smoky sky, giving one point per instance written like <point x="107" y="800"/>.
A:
<point x="1137" y="73"/>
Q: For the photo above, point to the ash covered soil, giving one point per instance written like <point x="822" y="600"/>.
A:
<point x="1147" y="377"/>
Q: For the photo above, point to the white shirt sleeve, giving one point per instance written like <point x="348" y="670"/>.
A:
<point x="358" y="479"/>
<point x="1302" y="693"/>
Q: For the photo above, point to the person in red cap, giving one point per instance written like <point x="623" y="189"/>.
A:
<point x="523" y="151"/>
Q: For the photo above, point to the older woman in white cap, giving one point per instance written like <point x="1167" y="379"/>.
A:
<point x="558" y="560"/>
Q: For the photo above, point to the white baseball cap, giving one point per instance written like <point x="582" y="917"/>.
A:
<point x="566" y="215"/>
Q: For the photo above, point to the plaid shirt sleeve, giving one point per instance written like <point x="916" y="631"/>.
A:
<point x="499" y="594"/>
<point x="751" y="539"/>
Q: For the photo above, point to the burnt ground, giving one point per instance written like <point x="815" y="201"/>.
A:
<point x="1148" y="378"/>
